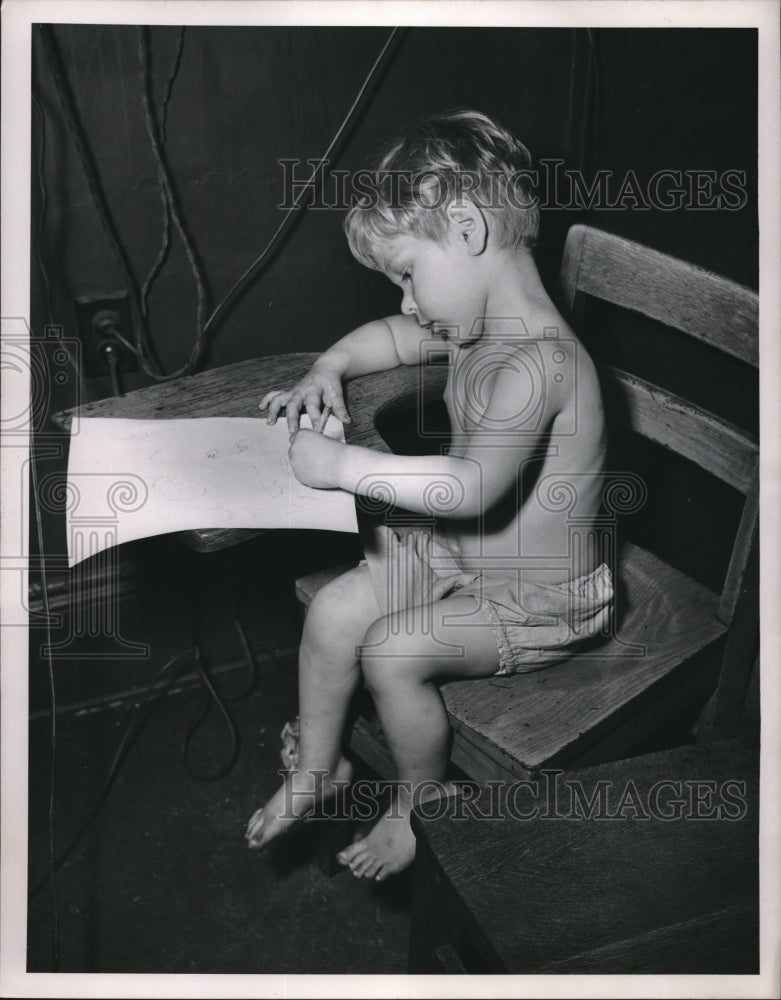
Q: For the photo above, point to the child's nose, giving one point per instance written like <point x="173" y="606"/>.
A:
<point x="408" y="306"/>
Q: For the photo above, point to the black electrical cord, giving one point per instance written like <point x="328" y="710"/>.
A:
<point x="165" y="243"/>
<point x="84" y="397"/>
<point x="93" y="182"/>
<point x="44" y="203"/>
<point x="235" y="743"/>
<point x="139" y="720"/>
<point x="152" y="697"/>
<point x="111" y="354"/>
<point x="591" y="146"/>
<point x="197" y="722"/>
<point x="173" y="73"/>
<point x="171" y="208"/>
<point x="387" y="52"/>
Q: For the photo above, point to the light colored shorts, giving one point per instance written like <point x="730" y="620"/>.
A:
<point x="535" y="624"/>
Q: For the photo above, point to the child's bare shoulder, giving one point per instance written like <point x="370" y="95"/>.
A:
<point x="545" y="373"/>
<point x="563" y="355"/>
<point x="549" y="344"/>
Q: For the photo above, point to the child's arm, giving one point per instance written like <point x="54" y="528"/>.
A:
<point x="512" y="429"/>
<point x="373" y="347"/>
<point x="376" y="347"/>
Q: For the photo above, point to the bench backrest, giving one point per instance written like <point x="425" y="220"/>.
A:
<point x="709" y="308"/>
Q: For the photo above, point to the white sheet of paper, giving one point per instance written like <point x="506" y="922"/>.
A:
<point x="129" y="479"/>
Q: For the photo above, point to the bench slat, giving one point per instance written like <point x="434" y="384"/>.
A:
<point x="713" y="444"/>
<point x="681" y="295"/>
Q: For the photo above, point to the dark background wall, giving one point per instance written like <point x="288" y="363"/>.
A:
<point x="243" y="98"/>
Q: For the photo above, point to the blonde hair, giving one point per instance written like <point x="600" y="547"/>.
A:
<point x="445" y="157"/>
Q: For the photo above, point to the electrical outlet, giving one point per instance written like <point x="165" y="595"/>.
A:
<point x="96" y="317"/>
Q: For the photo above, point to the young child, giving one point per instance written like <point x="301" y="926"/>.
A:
<point x="502" y="583"/>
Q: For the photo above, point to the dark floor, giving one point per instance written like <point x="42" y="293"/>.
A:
<point x="162" y="881"/>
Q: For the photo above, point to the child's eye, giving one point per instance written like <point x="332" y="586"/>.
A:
<point x="406" y="276"/>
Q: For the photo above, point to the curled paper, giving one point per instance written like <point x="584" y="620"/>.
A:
<point x="130" y="479"/>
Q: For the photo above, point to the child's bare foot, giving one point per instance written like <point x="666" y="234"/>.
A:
<point x="390" y="846"/>
<point x="297" y="795"/>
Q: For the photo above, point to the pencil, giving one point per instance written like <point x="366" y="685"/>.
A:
<point x="327" y="411"/>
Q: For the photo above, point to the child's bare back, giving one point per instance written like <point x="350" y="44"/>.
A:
<point x="554" y="436"/>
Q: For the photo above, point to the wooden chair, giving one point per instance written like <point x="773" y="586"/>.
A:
<point x="677" y="640"/>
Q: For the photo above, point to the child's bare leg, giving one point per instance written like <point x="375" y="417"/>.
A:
<point x="328" y="673"/>
<point x="400" y="674"/>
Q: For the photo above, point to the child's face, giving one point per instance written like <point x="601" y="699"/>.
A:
<point x="441" y="284"/>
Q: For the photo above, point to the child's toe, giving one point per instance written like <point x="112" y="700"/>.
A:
<point x="348" y="854"/>
<point x="254" y="826"/>
<point x="371" y="870"/>
<point x="359" y="869"/>
<point x="367" y="867"/>
<point x="357" y="863"/>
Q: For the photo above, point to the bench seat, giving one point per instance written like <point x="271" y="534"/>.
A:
<point x="591" y="707"/>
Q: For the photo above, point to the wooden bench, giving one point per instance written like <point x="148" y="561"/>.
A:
<point x="587" y="887"/>
<point x="675" y="636"/>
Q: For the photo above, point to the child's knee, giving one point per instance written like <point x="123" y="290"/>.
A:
<point x="340" y="601"/>
<point x="325" y="605"/>
<point x="390" y="656"/>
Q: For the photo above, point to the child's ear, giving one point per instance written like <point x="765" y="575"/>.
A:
<point x="469" y="226"/>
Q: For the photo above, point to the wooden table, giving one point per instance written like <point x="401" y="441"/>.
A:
<point x="596" y="895"/>
<point x="236" y="390"/>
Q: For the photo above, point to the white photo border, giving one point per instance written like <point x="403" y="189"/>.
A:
<point x="18" y="17"/>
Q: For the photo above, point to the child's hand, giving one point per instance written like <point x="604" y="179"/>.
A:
<point x="315" y="459"/>
<point x="320" y="387"/>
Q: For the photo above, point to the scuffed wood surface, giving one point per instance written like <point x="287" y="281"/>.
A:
<point x="236" y="390"/>
<point x="705" y="439"/>
<point x="711" y="308"/>
<point x="530" y="721"/>
<point x="748" y="529"/>
<point x="232" y="391"/>
<point x="724" y="942"/>
<point x="606" y="895"/>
